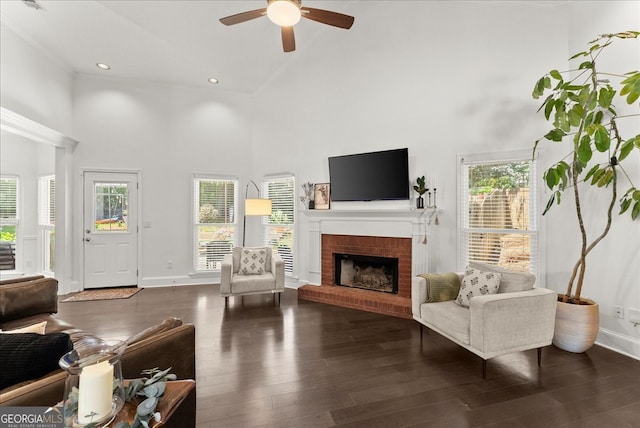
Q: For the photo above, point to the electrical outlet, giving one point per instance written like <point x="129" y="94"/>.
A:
<point x="619" y="312"/>
<point x="634" y="316"/>
<point x="169" y="264"/>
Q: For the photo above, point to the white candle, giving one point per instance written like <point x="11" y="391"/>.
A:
<point x="96" y="391"/>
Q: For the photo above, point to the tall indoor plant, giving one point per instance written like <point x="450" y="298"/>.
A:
<point x="580" y="105"/>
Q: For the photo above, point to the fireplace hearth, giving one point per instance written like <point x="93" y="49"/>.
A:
<point x="366" y="272"/>
<point x="372" y="249"/>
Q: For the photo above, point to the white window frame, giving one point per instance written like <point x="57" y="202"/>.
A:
<point x="290" y="267"/>
<point x="46" y="219"/>
<point x="194" y="218"/>
<point x="464" y="160"/>
<point x="14" y="221"/>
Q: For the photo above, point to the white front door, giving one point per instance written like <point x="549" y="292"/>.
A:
<point x="110" y="229"/>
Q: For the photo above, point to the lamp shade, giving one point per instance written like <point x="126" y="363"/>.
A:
<point x="257" y="207"/>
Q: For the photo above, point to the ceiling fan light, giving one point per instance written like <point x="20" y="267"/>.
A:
<point x="285" y="13"/>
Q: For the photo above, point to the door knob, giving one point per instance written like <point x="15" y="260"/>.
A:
<point x="87" y="239"/>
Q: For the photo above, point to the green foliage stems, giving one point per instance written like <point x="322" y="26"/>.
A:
<point x="584" y="106"/>
<point x="152" y="389"/>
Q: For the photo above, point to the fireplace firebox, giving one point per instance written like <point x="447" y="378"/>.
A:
<point x="366" y="272"/>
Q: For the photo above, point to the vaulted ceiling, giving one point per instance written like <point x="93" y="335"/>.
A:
<point x="177" y="42"/>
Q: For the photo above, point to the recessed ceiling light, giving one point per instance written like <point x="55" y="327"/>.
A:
<point x="213" y="80"/>
<point x="102" y="66"/>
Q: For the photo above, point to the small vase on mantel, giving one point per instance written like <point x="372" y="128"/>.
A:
<point x="420" y="188"/>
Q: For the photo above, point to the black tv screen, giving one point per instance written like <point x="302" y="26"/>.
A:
<point x="371" y="176"/>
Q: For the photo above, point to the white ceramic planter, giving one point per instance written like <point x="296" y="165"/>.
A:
<point x="577" y="326"/>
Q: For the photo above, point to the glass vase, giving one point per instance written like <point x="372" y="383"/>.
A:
<point x="94" y="389"/>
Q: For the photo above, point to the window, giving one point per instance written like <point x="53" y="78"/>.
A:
<point x="47" y="220"/>
<point x="498" y="212"/>
<point x="279" y="227"/>
<point x="214" y="217"/>
<point x="8" y="221"/>
<point x="111" y="207"/>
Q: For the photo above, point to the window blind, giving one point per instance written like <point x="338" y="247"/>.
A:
<point x="278" y="230"/>
<point x="47" y="220"/>
<point x="47" y="201"/>
<point x="8" y="222"/>
<point x="214" y="221"/>
<point x="498" y="214"/>
<point x="9" y="200"/>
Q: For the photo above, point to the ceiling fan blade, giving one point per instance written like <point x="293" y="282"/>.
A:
<point x="244" y="16"/>
<point x="288" y="39"/>
<point x="327" y="17"/>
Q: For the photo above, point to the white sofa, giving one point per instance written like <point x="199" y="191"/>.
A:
<point x="233" y="282"/>
<point x="493" y="325"/>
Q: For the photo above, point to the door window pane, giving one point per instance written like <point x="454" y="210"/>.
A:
<point x="111" y="207"/>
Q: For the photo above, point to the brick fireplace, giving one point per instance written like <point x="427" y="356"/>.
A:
<point x="398" y="305"/>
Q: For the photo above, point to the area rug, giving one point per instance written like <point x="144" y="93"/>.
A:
<point x="102" y="294"/>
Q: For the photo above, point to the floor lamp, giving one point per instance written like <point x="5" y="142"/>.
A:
<point x="254" y="207"/>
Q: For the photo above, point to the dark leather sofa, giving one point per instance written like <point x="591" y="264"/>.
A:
<point x="30" y="300"/>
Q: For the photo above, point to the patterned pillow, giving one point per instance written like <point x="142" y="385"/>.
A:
<point x="511" y="281"/>
<point x="253" y="261"/>
<point x="477" y="283"/>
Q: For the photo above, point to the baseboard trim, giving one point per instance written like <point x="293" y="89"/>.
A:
<point x="172" y="281"/>
<point x="620" y="343"/>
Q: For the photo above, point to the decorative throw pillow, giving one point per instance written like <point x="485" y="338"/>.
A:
<point x="37" y="328"/>
<point x="477" y="283"/>
<point x="253" y="261"/>
<point x="27" y="356"/>
<point x="511" y="281"/>
<point x="441" y="287"/>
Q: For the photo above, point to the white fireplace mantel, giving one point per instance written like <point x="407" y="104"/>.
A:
<point x="419" y="225"/>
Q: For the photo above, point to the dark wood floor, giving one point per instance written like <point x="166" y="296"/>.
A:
<point x="306" y="364"/>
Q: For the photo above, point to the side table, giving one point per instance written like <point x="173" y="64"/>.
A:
<point x="174" y="395"/>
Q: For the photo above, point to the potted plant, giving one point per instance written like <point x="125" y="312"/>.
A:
<point x="421" y="189"/>
<point x="581" y="109"/>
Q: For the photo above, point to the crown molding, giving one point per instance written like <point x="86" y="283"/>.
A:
<point x="19" y="125"/>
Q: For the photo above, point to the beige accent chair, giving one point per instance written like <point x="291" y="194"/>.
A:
<point x="251" y="270"/>
<point x="517" y="318"/>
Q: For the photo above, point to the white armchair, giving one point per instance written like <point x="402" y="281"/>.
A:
<point x="251" y="271"/>
<point x="517" y="318"/>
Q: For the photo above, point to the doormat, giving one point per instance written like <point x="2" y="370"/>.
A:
<point x="102" y="294"/>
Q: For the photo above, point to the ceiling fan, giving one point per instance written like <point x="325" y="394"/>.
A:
<point x="287" y="13"/>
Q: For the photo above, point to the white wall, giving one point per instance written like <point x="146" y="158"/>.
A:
<point x="456" y="80"/>
<point x="167" y="134"/>
<point x="28" y="161"/>
<point x="34" y="84"/>
<point x="38" y="87"/>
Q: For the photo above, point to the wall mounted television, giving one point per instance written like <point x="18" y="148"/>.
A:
<point x="373" y="176"/>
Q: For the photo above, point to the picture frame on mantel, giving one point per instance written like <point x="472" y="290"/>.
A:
<point x="322" y="196"/>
